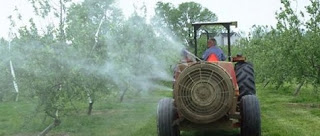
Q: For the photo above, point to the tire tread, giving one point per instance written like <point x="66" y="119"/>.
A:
<point x="250" y="116"/>
<point x="245" y="78"/>
<point x="166" y="115"/>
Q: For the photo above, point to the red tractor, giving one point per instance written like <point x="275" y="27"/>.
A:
<point x="211" y="96"/>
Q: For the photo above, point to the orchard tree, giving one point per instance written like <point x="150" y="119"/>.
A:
<point x="311" y="42"/>
<point x="6" y="80"/>
<point x="87" y="24"/>
<point x="179" y="19"/>
<point x="54" y="69"/>
<point x="287" y="53"/>
<point x="53" y="8"/>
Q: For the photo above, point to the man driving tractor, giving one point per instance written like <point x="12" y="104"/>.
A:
<point x="213" y="53"/>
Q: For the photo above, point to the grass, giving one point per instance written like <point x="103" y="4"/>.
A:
<point x="287" y="115"/>
<point x="282" y="115"/>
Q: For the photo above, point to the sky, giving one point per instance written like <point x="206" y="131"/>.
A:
<point x="246" y="12"/>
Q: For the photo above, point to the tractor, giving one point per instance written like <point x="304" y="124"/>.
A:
<point x="211" y="95"/>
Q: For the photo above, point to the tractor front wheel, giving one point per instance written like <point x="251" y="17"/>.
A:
<point x="250" y="116"/>
<point x="245" y="78"/>
<point x="167" y="113"/>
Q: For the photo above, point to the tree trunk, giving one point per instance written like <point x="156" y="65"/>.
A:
<point x="90" y="108"/>
<point x="17" y="96"/>
<point x="1" y="96"/>
<point x="122" y="95"/>
<point x="15" y="85"/>
<point x="296" y="92"/>
<point x="90" y="100"/>
<point x="278" y="86"/>
<point x="266" y="84"/>
<point x="54" y="124"/>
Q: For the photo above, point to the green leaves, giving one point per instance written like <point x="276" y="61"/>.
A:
<point x="287" y="53"/>
<point x="95" y="50"/>
<point x="179" y="19"/>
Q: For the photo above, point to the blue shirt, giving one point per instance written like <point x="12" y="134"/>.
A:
<point x="214" y="50"/>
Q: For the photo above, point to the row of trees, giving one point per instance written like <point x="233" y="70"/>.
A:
<point x="91" y="51"/>
<point x="287" y="53"/>
<point x="90" y="48"/>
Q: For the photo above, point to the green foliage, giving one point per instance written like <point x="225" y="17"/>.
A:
<point x="92" y="53"/>
<point x="6" y="80"/>
<point x="179" y="19"/>
<point x="55" y="72"/>
<point x="287" y="53"/>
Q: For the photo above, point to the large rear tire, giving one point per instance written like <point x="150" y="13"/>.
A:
<point x="250" y="116"/>
<point x="245" y="78"/>
<point x="167" y="113"/>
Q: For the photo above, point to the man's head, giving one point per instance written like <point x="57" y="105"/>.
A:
<point x="211" y="42"/>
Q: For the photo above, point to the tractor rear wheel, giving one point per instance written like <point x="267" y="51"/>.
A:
<point x="245" y="78"/>
<point x="250" y="116"/>
<point x="167" y="113"/>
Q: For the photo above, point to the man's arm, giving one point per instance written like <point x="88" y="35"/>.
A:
<point x="205" y="55"/>
<point x="223" y="57"/>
